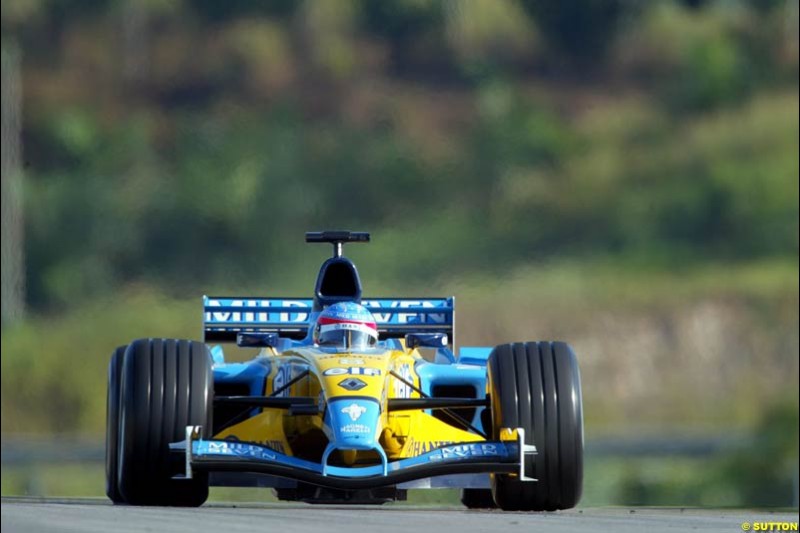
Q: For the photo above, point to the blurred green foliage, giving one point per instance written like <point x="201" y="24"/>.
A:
<point x="185" y="144"/>
<point x="763" y="474"/>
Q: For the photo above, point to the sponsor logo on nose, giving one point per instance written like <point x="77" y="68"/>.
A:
<point x="354" y="411"/>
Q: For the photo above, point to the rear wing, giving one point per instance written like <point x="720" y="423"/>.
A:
<point x="224" y="317"/>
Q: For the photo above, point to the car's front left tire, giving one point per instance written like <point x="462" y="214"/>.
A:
<point x="536" y="386"/>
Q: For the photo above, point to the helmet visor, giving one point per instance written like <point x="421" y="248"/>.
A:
<point x="347" y="335"/>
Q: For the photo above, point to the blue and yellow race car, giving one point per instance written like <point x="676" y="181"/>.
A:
<point x="349" y="399"/>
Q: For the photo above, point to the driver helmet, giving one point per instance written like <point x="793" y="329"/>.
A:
<point x="346" y="325"/>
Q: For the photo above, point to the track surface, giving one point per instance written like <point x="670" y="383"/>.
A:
<point x="99" y="516"/>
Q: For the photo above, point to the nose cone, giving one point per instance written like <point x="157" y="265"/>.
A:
<point x="354" y="422"/>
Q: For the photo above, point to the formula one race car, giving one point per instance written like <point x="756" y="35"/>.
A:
<point x="340" y="406"/>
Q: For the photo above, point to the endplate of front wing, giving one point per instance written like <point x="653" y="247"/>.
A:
<point x="502" y="457"/>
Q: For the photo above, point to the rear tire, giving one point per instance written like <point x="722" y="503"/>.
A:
<point x="112" y="424"/>
<point x="478" y="499"/>
<point x="166" y="385"/>
<point x="536" y="386"/>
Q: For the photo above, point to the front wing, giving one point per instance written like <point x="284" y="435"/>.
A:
<point x="505" y="457"/>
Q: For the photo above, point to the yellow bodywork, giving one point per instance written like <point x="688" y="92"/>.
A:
<point x="402" y="433"/>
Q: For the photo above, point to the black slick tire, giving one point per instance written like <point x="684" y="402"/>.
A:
<point x="112" y="424"/>
<point x="536" y="386"/>
<point x="477" y="499"/>
<point x="166" y="385"/>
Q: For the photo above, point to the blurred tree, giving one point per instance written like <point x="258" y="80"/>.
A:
<point x="490" y="36"/>
<point x="135" y="43"/>
<point x="220" y="12"/>
<point x="761" y="475"/>
<point x="249" y="121"/>
<point x="405" y="25"/>
<point x="13" y="248"/>
<point x="578" y="33"/>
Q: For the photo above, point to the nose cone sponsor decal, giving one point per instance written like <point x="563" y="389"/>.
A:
<point x="353" y="423"/>
<point x="354" y="410"/>
<point x="352" y="371"/>
<point x="352" y="384"/>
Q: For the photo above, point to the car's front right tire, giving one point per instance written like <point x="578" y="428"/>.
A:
<point x="166" y="385"/>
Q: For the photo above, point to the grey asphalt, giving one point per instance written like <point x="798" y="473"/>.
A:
<point x="98" y="516"/>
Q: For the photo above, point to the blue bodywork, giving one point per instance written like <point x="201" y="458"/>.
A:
<point x="291" y="318"/>
<point x="457" y="459"/>
<point x="447" y="369"/>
